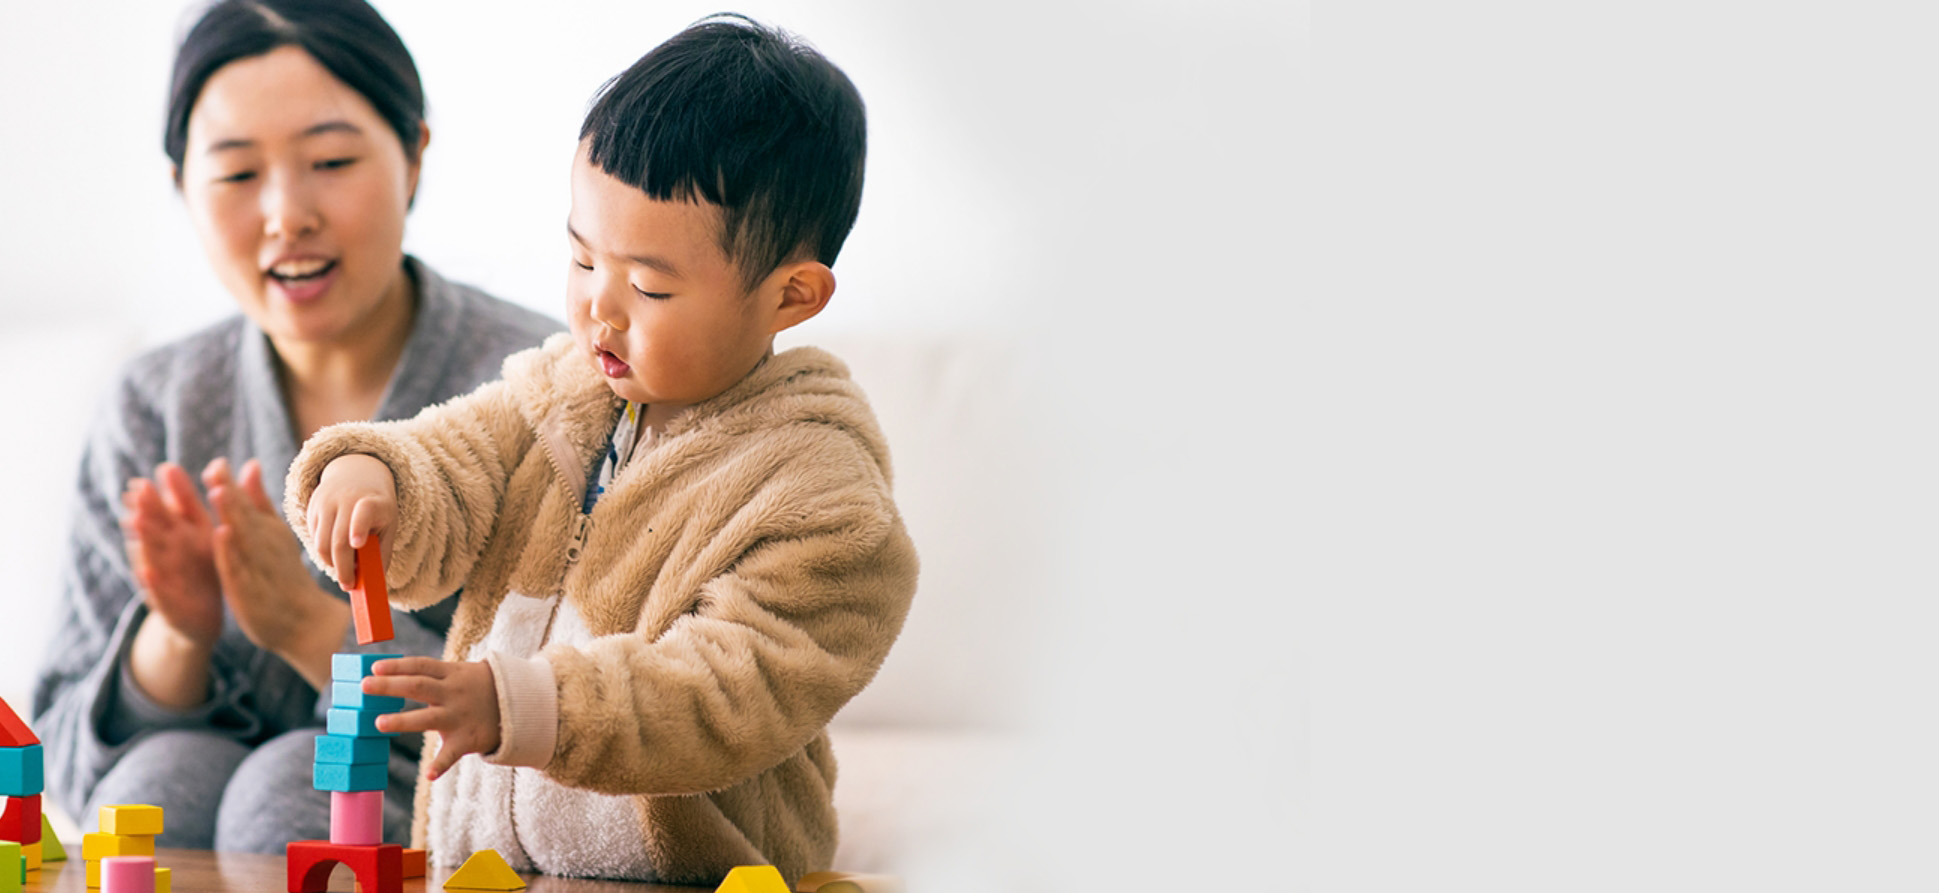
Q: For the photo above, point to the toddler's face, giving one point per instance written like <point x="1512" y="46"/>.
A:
<point x="651" y="299"/>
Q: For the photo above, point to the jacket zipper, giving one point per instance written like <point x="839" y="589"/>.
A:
<point x="578" y="544"/>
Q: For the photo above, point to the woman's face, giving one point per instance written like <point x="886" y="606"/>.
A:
<point x="298" y="190"/>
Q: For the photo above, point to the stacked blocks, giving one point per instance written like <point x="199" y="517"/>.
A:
<point x="21" y="783"/>
<point x="127" y="830"/>
<point x="353" y="758"/>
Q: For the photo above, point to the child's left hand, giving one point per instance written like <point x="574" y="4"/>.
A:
<point x="462" y="704"/>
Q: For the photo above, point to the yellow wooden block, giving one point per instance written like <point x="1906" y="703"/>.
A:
<point x="753" y="879"/>
<point x="486" y="870"/>
<point x="131" y="819"/>
<point x="98" y="845"/>
<point x="161" y="880"/>
<point x="94" y="874"/>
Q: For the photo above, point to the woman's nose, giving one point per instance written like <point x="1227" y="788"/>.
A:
<point x="289" y="208"/>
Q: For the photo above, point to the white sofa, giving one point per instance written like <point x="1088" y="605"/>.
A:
<point x="915" y="748"/>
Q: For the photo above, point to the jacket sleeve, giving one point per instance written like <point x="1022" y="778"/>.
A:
<point x="451" y="463"/>
<point x="773" y="647"/>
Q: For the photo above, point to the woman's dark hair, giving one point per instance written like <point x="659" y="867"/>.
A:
<point x="746" y="117"/>
<point x="347" y="37"/>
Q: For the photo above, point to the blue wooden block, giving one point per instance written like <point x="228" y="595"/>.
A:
<point x="354" y="667"/>
<point x="347" y="777"/>
<point x="354" y="723"/>
<point x="348" y="751"/>
<point x="21" y="771"/>
<point x="351" y="694"/>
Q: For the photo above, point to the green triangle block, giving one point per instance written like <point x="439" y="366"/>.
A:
<point x="50" y="846"/>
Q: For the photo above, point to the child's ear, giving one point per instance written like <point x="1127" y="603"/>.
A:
<point x="804" y="289"/>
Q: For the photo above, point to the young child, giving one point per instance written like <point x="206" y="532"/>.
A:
<point x="677" y="550"/>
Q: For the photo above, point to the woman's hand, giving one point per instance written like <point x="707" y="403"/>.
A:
<point x="169" y="538"/>
<point x="268" y="590"/>
<point x="461" y="699"/>
<point x="355" y="497"/>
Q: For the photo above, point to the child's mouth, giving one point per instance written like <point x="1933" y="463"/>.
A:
<point x="613" y="366"/>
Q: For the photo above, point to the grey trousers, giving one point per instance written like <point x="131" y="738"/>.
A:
<point x="218" y="794"/>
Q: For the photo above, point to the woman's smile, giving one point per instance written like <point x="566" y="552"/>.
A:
<point x="301" y="280"/>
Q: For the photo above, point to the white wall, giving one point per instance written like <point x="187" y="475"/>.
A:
<point x="96" y="232"/>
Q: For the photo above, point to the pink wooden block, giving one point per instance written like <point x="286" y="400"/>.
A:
<point x="357" y="817"/>
<point x="128" y="874"/>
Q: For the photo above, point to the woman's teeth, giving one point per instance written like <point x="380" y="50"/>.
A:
<point x="301" y="269"/>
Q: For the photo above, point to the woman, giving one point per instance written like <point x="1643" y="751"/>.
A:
<point x="195" y="639"/>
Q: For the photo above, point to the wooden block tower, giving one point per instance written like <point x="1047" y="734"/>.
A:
<point x="353" y="759"/>
<point x="22" y="773"/>
<point x="127" y="830"/>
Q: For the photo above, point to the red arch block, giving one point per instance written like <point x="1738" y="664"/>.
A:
<point x="379" y="868"/>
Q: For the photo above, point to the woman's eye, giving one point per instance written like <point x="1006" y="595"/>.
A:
<point x="237" y="177"/>
<point x="334" y="163"/>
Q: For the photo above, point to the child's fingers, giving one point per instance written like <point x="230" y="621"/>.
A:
<point x="343" y="556"/>
<point x="423" y="719"/>
<point x="451" y="748"/>
<point x="410" y="666"/>
<point x="364" y="518"/>
<point x="447" y="755"/>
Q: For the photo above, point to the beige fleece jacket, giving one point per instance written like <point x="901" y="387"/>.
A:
<point x="738" y="583"/>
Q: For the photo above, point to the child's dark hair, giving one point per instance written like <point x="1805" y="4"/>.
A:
<point x="746" y="117"/>
<point x="347" y="37"/>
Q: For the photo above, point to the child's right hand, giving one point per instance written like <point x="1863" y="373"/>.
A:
<point x="355" y="497"/>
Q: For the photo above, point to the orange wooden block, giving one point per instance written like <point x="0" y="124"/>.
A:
<point x="370" y="599"/>
<point x="414" y="863"/>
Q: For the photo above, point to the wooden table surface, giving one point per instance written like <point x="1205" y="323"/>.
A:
<point x="203" y="871"/>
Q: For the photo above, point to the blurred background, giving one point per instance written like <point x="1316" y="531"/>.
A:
<point x="1066" y="292"/>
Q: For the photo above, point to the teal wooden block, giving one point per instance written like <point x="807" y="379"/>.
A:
<point x="354" y="723"/>
<point x="354" y="667"/>
<point x="351" y="694"/>
<point x="352" y="751"/>
<point x="21" y="771"/>
<point x="347" y="777"/>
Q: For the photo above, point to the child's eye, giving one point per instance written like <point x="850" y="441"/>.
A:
<point x="655" y="295"/>
<point x="576" y="263"/>
<point x="334" y="163"/>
